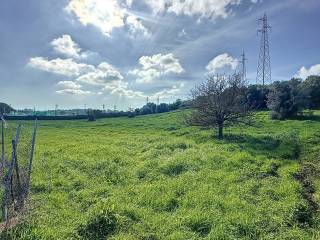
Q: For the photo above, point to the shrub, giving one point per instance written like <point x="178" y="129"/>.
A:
<point x="285" y="100"/>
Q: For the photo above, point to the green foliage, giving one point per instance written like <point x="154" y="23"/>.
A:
<point x="151" y="177"/>
<point x="162" y="108"/>
<point x="257" y="97"/>
<point x="285" y="100"/>
<point x="91" y="116"/>
<point x="5" y="108"/>
<point x="311" y="91"/>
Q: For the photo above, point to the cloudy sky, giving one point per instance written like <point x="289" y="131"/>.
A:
<point x="119" y="52"/>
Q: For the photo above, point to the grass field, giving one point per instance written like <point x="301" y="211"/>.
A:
<point x="153" y="178"/>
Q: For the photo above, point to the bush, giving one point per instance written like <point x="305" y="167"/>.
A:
<point x="257" y="97"/>
<point x="285" y="100"/>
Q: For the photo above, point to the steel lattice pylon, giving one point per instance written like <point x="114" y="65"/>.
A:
<point x="264" y="65"/>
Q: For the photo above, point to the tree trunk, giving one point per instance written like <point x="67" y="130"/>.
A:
<point x="220" y="132"/>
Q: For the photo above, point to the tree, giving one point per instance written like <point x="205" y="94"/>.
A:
<point x="311" y="90"/>
<point x="5" y="108"/>
<point x="145" y="110"/>
<point x="162" y="107"/>
<point x="176" y="105"/>
<point x="257" y="97"/>
<point x="91" y="115"/>
<point x="219" y="102"/>
<point x="285" y="99"/>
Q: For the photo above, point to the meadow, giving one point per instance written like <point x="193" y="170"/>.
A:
<point x="152" y="177"/>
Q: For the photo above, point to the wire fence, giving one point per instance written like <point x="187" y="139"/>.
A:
<point x="17" y="151"/>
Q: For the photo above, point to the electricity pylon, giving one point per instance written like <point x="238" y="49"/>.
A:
<point x="243" y="66"/>
<point x="264" y="64"/>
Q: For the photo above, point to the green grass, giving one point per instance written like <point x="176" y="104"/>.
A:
<point x="153" y="178"/>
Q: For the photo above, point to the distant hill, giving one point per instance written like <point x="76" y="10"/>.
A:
<point x="5" y="108"/>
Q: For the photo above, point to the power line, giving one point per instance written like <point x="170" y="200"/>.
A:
<point x="264" y="64"/>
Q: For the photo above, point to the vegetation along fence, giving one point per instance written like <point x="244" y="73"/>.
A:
<point x="17" y="150"/>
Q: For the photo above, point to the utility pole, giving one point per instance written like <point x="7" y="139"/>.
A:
<point x="158" y="100"/>
<point x="104" y="108"/>
<point x="264" y="65"/>
<point x="147" y="100"/>
<point x="243" y="66"/>
<point x="114" y="108"/>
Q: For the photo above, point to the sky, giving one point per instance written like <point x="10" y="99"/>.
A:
<point x="120" y="52"/>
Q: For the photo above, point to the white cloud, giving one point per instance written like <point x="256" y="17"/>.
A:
<point x="222" y="61"/>
<point x="66" y="46"/>
<point x="201" y="8"/>
<point x="153" y="67"/>
<point x="110" y="80"/>
<point x="74" y="92"/>
<point x="157" y="6"/>
<point x="136" y="28"/>
<point x="103" y="74"/>
<point x="106" y="15"/>
<point x="121" y="88"/>
<point x="305" y="72"/>
<point x="66" y="67"/>
<point x="69" y="85"/>
<point x="169" y="92"/>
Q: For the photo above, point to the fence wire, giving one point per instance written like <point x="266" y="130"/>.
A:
<point x="17" y="150"/>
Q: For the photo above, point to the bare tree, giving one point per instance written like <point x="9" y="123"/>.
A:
<point x="219" y="102"/>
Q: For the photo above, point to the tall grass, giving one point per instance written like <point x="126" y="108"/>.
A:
<point x="154" y="178"/>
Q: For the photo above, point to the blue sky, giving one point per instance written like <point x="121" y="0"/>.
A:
<point x="119" y="52"/>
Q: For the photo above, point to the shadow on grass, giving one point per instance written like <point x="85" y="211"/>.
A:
<point x="256" y="143"/>
<point x="315" y="118"/>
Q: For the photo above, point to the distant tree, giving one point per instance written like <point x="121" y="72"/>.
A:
<point x="153" y="107"/>
<point x="145" y="110"/>
<point x="220" y="102"/>
<point x="176" y="105"/>
<point x="310" y="88"/>
<point x="285" y="99"/>
<point x="5" y="108"/>
<point x="257" y="97"/>
<point x="91" y="115"/>
<point x="137" y="111"/>
<point x="162" y="107"/>
<point x="186" y="104"/>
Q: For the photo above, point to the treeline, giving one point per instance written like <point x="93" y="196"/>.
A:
<point x="286" y="99"/>
<point x="152" y="108"/>
<point x="149" y="108"/>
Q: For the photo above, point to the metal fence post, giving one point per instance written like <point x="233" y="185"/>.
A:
<point x="31" y="156"/>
